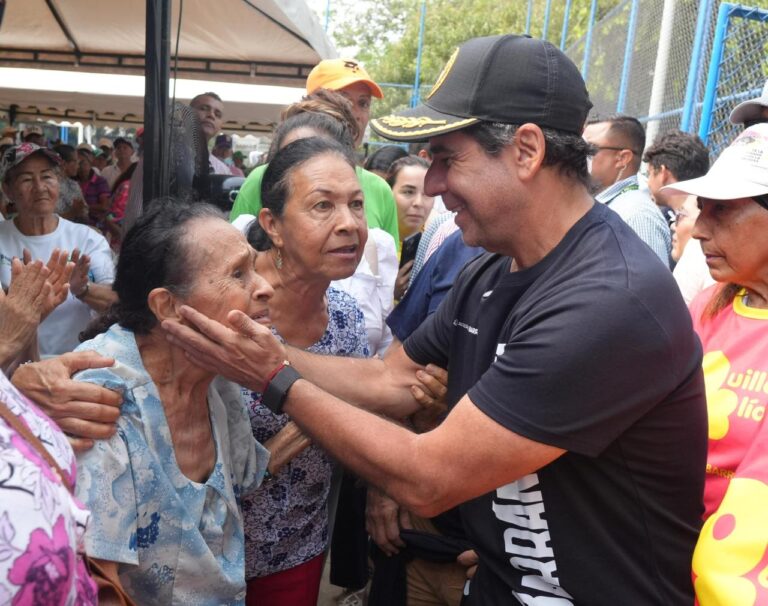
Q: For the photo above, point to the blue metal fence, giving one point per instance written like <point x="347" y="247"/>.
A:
<point x="671" y="63"/>
<point x="738" y="68"/>
<point x="715" y="55"/>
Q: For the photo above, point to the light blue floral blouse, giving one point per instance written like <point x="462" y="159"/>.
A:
<point x="177" y="541"/>
<point x="286" y="519"/>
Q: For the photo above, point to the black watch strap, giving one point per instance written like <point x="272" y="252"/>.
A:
<point x="277" y="389"/>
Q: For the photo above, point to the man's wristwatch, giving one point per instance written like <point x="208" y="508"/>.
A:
<point x="276" y="390"/>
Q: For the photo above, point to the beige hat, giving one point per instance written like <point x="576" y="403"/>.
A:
<point x="104" y="142"/>
<point x="7" y="141"/>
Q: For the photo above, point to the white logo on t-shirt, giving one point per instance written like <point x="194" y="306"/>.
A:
<point x="520" y="506"/>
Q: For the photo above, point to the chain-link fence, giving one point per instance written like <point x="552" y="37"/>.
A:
<point x="737" y="70"/>
<point x="651" y="58"/>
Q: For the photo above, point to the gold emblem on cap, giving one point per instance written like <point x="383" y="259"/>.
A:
<point x="409" y="122"/>
<point x="444" y="74"/>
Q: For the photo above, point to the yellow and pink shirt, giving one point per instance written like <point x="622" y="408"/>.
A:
<point x="730" y="563"/>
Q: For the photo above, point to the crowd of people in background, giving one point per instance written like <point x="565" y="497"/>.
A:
<point x="516" y="357"/>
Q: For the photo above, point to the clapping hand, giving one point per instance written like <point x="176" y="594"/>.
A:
<point x="79" y="279"/>
<point x="60" y="274"/>
<point x="20" y="309"/>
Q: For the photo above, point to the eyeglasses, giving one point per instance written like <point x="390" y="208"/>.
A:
<point x="602" y="147"/>
<point x="680" y="214"/>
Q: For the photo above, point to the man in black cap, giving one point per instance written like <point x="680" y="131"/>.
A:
<point x="575" y="445"/>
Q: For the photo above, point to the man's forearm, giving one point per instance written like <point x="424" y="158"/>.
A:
<point x="468" y="455"/>
<point x="370" y="383"/>
<point x="363" y="443"/>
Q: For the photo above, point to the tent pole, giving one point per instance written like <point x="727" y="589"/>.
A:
<point x="156" y="110"/>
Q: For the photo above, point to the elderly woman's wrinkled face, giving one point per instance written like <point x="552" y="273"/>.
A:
<point x="222" y="263"/>
<point x="34" y="186"/>
<point x="732" y="235"/>
<point x="323" y="231"/>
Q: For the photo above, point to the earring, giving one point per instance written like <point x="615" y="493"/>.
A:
<point x="278" y="259"/>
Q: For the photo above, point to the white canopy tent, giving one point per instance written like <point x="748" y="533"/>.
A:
<point x="254" y="42"/>
<point x="118" y="100"/>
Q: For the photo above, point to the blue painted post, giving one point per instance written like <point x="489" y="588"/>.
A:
<point x="528" y="18"/>
<point x="416" y="96"/>
<point x="628" y="48"/>
<point x="689" y="105"/>
<point x="588" y="41"/>
<point x="710" y="92"/>
<point x="547" y="12"/>
<point x="566" y="18"/>
<point x="64" y="134"/>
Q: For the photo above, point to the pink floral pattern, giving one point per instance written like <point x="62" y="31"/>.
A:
<point x="41" y="523"/>
<point x="44" y="569"/>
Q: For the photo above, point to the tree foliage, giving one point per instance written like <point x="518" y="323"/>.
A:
<point x="384" y="34"/>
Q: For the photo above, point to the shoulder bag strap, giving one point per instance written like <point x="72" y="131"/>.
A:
<point x="21" y="428"/>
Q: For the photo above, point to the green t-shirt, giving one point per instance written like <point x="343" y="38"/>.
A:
<point x="380" y="209"/>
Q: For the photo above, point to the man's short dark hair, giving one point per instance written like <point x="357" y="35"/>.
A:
<point x="627" y="132"/>
<point x="201" y="95"/>
<point x="566" y="151"/>
<point x="684" y="155"/>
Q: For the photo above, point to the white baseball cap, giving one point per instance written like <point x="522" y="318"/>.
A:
<point x="741" y="171"/>
<point x="750" y="110"/>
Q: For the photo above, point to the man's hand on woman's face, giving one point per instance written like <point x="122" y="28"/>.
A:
<point x="246" y="352"/>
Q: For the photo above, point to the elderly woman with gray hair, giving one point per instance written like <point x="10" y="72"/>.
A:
<point x="30" y="178"/>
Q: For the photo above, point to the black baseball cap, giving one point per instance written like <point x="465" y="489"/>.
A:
<point x="509" y="79"/>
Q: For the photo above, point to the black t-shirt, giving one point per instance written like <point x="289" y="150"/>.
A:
<point x="591" y="350"/>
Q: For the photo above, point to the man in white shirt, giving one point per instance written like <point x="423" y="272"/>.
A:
<point x="614" y="168"/>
